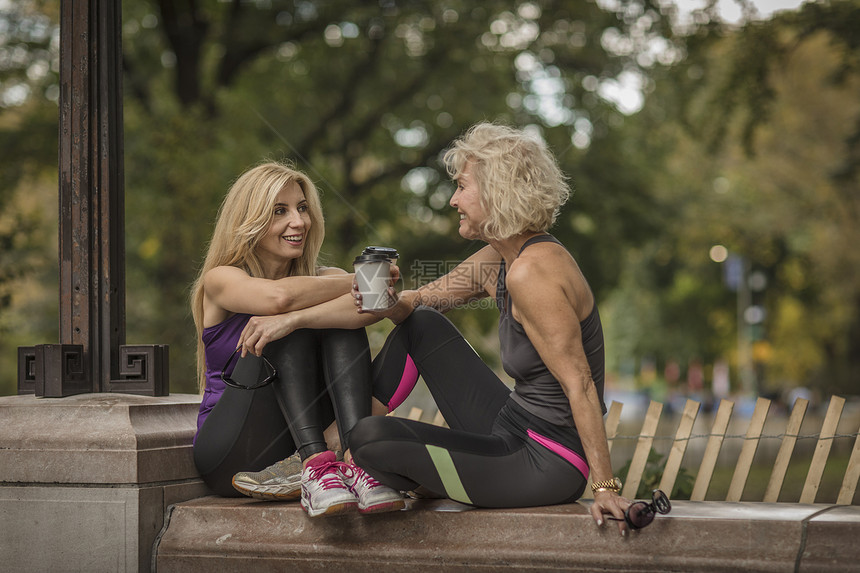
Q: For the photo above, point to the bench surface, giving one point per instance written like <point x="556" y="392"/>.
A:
<point x="220" y="534"/>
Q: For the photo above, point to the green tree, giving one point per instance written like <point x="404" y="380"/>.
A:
<point x="762" y="123"/>
<point x="28" y="175"/>
<point x="364" y="98"/>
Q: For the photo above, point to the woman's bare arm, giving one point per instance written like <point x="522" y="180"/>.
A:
<point x="336" y="313"/>
<point x="472" y="279"/>
<point x="541" y="295"/>
<point x="234" y="291"/>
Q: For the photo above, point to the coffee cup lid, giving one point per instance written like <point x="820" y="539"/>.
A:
<point x="389" y="252"/>
<point x="371" y="258"/>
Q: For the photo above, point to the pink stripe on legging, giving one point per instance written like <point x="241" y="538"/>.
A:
<point x="407" y="383"/>
<point x="575" y="459"/>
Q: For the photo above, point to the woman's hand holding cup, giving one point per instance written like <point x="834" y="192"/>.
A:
<point x="375" y="276"/>
<point x="390" y="295"/>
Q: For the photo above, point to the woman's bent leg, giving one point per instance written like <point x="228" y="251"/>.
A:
<point x="300" y="385"/>
<point x="246" y="431"/>
<point x="300" y="389"/>
<point x="346" y="364"/>
<point x="467" y="391"/>
<point x="476" y="461"/>
<point x="495" y="470"/>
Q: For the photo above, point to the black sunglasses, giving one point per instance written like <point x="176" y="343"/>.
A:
<point x="642" y="513"/>
<point x="271" y="374"/>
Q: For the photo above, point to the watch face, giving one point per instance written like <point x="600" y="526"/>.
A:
<point x="617" y="482"/>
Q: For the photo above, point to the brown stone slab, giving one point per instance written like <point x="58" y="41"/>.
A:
<point x="97" y="439"/>
<point x="832" y="540"/>
<point x="216" y="534"/>
<point x="85" y="480"/>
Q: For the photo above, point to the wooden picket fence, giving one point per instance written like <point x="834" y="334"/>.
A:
<point x="715" y="441"/>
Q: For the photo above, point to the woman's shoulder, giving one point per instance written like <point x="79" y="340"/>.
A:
<point x="549" y="266"/>
<point x="215" y="281"/>
<point x="223" y="272"/>
<point x="546" y="257"/>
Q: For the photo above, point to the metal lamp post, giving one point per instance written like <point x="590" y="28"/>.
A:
<point x="91" y="355"/>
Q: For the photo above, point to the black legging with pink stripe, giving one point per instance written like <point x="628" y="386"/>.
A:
<point x="495" y="454"/>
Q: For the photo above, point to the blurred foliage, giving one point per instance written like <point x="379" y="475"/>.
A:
<point x="653" y="473"/>
<point x="747" y="137"/>
<point x="763" y="145"/>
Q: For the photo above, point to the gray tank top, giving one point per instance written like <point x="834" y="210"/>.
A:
<point x="535" y="388"/>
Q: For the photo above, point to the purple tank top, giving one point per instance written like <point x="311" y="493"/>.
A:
<point x="220" y="342"/>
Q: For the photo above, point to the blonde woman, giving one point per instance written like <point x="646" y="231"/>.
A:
<point x="263" y="307"/>
<point x="538" y="444"/>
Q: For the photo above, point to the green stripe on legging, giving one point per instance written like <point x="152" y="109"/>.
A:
<point x="448" y="474"/>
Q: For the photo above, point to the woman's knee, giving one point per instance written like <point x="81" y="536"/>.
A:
<point x="425" y="316"/>
<point x="343" y="335"/>
<point x="339" y="341"/>
<point x="372" y="433"/>
<point x="367" y="431"/>
<point x="297" y="342"/>
<point x="425" y="321"/>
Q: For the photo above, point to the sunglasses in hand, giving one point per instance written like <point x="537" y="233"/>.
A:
<point x="642" y="513"/>
<point x="271" y="373"/>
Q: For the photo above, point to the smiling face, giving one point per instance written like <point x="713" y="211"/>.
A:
<point x="286" y="236"/>
<point x="467" y="201"/>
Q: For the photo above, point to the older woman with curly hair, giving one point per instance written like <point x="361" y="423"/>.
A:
<point x="535" y="445"/>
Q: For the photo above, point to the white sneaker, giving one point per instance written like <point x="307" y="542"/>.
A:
<point x="373" y="497"/>
<point x="323" y="489"/>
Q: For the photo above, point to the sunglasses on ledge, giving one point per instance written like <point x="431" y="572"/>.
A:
<point x="257" y="369"/>
<point x="641" y="513"/>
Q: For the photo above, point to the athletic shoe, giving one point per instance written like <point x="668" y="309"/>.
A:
<point x="373" y="497"/>
<point x="280" y="481"/>
<point x="323" y="490"/>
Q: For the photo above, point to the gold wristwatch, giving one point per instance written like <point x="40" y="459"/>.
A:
<point x="613" y="484"/>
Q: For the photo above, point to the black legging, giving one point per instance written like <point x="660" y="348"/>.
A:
<point x="323" y="375"/>
<point x="495" y="454"/>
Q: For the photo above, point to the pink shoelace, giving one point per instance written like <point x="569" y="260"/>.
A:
<point x="365" y="477"/>
<point x="326" y="474"/>
<point x="352" y="470"/>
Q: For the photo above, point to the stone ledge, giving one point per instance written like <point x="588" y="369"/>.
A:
<point x="217" y="534"/>
<point x="85" y="481"/>
<point x="97" y="439"/>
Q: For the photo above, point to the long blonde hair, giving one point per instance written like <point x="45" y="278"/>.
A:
<point x="521" y="185"/>
<point x="243" y="218"/>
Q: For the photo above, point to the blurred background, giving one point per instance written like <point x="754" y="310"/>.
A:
<point x="712" y="147"/>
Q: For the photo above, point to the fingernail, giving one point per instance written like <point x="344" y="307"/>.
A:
<point x="623" y="533"/>
<point x="599" y="523"/>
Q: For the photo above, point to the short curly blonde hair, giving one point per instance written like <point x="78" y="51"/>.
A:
<point x="522" y="188"/>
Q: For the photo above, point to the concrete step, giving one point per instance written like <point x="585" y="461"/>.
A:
<point x="216" y="534"/>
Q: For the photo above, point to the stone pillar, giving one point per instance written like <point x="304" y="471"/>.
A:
<point x="85" y="480"/>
